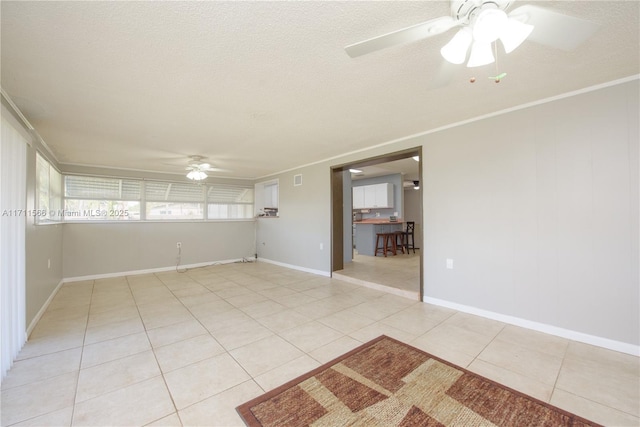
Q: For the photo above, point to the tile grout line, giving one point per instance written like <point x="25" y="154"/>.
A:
<point x="214" y="338"/>
<point x="84" y="339"/>
<point x="155" y="357"/>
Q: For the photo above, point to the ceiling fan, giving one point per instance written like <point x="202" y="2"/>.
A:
<point x="482" y="23"/>
<point x="198" y="169"/>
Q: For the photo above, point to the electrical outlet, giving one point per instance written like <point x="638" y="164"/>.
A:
<point x="449" y="263"/>
<point x="321" y="246"/>
<point x="179" y="245"/>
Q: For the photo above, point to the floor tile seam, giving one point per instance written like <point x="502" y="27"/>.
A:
<point x="251" y="379"/>
<point x="277" y="332"/>
<point x="205" y="332"/>
<point x="156" y="359"/>
<point x="36" y="381"/>
<point x="329" y="343"/>
<point x="118" y="320"/>
<point x="41" y="355"/>
<point x="528" y="348"/>
<point x="305" y="352"/>
<point x="119" y="336"/>
<point x="237" y="362"/>
<point x="280" y="366"/>
<point x="637" y="416"/>
<point x="165" y="416"/>
<point x="197" y="319"/>
<point x="84" y="339"/>
<point x="21" y="422"/>
<point x="562" y="364"/>
<point x="515" y="373"/>
<point x="342" y="332"/>
<point x="598" y="363"/>
<point x="476" y="356"/>
<point x="116" y="359"/>
<point x="116" y="389"/>
<point x="364" y="315"/>
<point x="224" y="350"/>
<point x="435" y="326"/>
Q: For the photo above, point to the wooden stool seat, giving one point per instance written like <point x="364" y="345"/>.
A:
<point x="386" y="242"/>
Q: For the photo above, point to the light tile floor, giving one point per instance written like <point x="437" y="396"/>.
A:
<point x="176" y="349"/>
<point x="400" y="273"/>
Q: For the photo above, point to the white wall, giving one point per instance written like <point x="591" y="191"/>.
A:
<point x="104" y="248"/>
<point x="43" y="247"/>
<point x="537" y="207"/>
<point x="294" y="237"/>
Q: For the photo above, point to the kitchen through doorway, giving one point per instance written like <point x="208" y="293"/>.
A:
<point x="397" y="177"/>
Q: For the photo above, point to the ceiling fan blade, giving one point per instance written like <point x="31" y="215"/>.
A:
<point x="554" y="29"/>
<point x="406" y="35"/>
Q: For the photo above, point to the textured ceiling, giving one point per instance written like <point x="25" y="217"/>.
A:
<point x="261" y="87"/>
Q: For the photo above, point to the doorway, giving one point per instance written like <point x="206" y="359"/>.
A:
<point x="342" y="224"/>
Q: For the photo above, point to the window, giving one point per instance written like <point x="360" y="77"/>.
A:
<point x="88" y="198"/>
<point x="94" y="198"/>
<point x="49" y="191"/>
<point x="267" y="198"/>
<point x="166" y="200"/>
<point x="229" y="202"/>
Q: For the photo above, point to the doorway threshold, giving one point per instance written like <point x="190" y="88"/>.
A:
<point x="378" y="287"/>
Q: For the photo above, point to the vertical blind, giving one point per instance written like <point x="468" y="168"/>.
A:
<point x="13" y="205"/>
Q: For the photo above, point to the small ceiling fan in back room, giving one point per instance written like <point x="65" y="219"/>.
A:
<point x="482" y="23"/>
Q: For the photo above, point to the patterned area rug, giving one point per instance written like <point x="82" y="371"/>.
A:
<point x="388" y="383"/>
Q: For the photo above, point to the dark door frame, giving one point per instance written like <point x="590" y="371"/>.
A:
<point x="337" y="203"/>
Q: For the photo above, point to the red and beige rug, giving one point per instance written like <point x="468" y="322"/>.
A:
<point x="388" y="383"/>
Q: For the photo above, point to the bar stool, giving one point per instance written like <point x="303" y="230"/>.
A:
<point x="388" y="241"/>
<point x="407" y="237"/>
<point x="401" y="240"/>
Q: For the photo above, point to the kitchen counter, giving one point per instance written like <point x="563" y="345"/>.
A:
<point x="378" y="221"/>
<point x="366" y="233"/>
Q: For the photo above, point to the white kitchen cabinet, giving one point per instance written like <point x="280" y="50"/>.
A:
<point x="358" y="197"/>
<point x="376" y="196"/>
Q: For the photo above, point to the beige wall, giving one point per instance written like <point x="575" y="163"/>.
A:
<point x="105" y="248"/>
<point x="538" y="208"/>
<point x="303" y="224"/>
<point x="43" y="246"/>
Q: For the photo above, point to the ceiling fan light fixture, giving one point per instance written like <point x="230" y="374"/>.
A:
<point x="456" y="50"/>
<point x="488" y="25"/>
<point x="481" y="54"/>
<point x="514" y="33"/>
<point x="196" y="175"/>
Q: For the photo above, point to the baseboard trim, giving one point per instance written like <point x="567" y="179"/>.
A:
<point x="149" y="270"/>
<point x="296" y="267"/>
<point x="619" y="346"/>
<point x="42" y="310"/>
